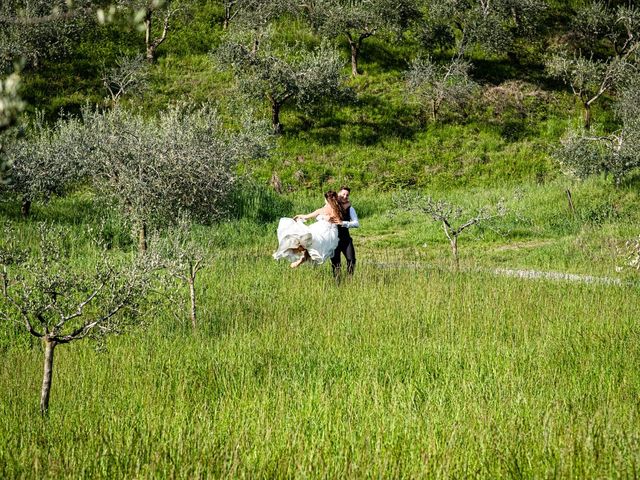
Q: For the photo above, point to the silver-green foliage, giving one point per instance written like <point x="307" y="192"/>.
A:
<point x="54" y="299"/>
<point x="356" y="20"/>
<point x="127" y="76"/>
<point x="616" y="153"/>
<point x="154" y="168"/>
<point x="47" y="161"/>
<point x="437" y="85"/>
<point x="10" y="106"/>
<point x="494" y="25"/>
<point x="600" y="53"/>
<point x="255" y="15"/>
<point x="32" y="30"/>
<point x="282" y="74"/>
<point x="10" y="102"/>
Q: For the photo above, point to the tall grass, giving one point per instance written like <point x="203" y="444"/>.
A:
<point x="397" y="373"/>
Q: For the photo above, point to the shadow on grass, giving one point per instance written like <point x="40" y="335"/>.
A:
<point x="69" y="210"/>
<point x="258" y="203"/>
<point x="368" y="121"/>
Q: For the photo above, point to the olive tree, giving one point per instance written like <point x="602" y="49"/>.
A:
<point x="356" y="20"/>
<point x="128" y="75"/>
<point x="152" y="169"/>
<point x="616" y="153"/>
<point x="47" y="161"/>
<point x="454" y="219"/>
<point x="436" y="85"/>
<point x="32" y="30"/>
<point x="497" y="26"/>
<point x="146" y="13"/>
<point x="599" y="54"/>
<point x="183" y="256"/>
<point x="255" y="15"/>
<point x="284" y="75"/>
<point x="61" y="304"/>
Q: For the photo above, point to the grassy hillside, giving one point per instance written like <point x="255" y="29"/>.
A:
<point x="380" y="140"/>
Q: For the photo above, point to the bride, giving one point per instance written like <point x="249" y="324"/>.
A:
<point x="299" y="243"/>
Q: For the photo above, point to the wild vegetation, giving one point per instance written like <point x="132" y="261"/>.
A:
<point x="147" y="152"/>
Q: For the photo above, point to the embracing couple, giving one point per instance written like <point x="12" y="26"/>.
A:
<point x="327" y="238"/>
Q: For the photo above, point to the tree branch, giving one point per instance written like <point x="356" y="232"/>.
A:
<point x="80" y="309"/>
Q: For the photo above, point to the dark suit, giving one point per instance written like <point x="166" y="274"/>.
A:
<point x="345" y="246"/>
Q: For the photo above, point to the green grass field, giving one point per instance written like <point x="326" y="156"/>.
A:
<point x="395" y="374"/>
<point x="411" y="369"/>
<point x="407" y="370"/>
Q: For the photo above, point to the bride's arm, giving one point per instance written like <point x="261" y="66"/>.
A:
<point x="306" y="217"/>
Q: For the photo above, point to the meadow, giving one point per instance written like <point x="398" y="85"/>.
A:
<point x="413" y="368"/>
<point x="410" y="369"/>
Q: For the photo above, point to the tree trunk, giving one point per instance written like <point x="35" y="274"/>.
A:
<point x="49" y="346"/>
<point x="227" y="15"/>
<point x="192" y="296"/>
<point x="5" y="281"/>
<point x="151" y="49"/>
<point x="256" y="44"/>
<point x="570" y="200"/>
<point x="454" y="250"/>
<point x="354" y="58"/>
<point x="587" y="116"/>
<point x="25" y="209"/>
<point x="275" y="118"/>
<point x="142" y="238"/>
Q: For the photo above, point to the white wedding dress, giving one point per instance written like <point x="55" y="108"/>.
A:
<point x="320" y="239"/>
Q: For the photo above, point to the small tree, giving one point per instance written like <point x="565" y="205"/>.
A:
<point x="285" y="75"/>
<point x="46" y="162"/>
<point x="437" y="85"/>
<point x="183" y="256"/>
<point x="147" y="12"/>
<point x="616" y="153"/>
<point x="154" y="169"/>
<point x="255" y="15"/>
<point x="356" y="20"/>
<point x="128" y="75"/>
<point x="454" y="219"/>
<point x="581" y="63"/>
<point x="494" y="25"/>
<point x="60" y="305"/>
<point x="33" y="30"/>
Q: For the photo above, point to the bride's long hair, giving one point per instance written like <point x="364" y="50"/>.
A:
<point x="332" y="200"/>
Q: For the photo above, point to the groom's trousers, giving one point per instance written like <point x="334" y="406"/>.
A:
<point x="345" y="247"/>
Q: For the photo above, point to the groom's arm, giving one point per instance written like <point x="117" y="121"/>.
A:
<point x="353" y="223"/>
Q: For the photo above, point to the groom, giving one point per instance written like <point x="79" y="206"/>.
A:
<point x="345" y="242"/>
